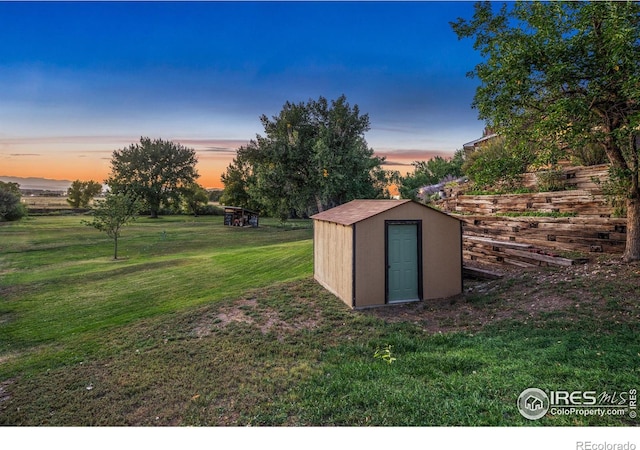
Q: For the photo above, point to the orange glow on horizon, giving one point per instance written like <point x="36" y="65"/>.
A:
<point x="211" y="165"/>
<point x="97" y="170"/>
<point x="55" y="168"/>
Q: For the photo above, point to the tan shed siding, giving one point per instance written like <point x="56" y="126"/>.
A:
<point x="441" y="254"/>
<point x="442" y="257"/>
<point x="370" y="253"/>
<point x="332" y="257"/>
<point x="370" y="266"/>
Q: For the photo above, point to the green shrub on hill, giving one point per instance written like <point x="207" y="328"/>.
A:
<point x="496" y="166"/>
<point x="11" y="207"/>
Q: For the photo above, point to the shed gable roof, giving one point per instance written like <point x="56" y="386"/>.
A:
<point x="357" y="210"/>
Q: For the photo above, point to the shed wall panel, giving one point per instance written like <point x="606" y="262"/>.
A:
<point x="441" y="252"/>
<point x="370" y="262"/>
<point x="333" y="260"/>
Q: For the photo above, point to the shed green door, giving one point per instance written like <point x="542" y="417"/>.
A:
<point x="402" y="262"/>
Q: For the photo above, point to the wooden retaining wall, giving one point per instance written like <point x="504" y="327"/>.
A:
<point x="583" y="178"/>
<point x="491" y="237"/>
<point x="576" y="234"/>
<point x="580" y="202"/>
<point x="503" y="252"/>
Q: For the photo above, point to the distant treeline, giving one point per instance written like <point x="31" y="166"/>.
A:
<point x="43" y="193"/>
<point x="214" y="193"/>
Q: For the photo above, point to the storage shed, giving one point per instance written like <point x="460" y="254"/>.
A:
<point x="240" y="217"/>
<point x="377" y="252"/>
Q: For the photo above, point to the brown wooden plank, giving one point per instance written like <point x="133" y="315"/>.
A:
<point x="496" y="242"/>
<point x="482" y="274"/>
<point x="555" y="260"/>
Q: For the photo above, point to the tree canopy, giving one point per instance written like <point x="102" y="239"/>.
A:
<point x="312" y="156"/>
<point x="194" y="198"/>
<point x="80" y="193"/>
<point x="112" y="213"/>
<point x="431" y="172"/>
<point x="558" y="76"/>
<point x="11" y="207"/>
<point x="154" y="171"/>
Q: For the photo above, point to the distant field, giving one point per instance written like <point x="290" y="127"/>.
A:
<point x="201" y="324"/>
<point x="45" y="203"/>
<point x="40" y="202"/>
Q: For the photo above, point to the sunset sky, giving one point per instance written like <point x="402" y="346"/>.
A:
<point x="80" y="80"/>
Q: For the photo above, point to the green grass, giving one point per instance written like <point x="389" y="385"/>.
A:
<point x="60" y="289"/>
<point x="207" y="325"/>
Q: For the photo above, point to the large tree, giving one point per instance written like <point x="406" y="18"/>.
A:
<point x="562" y="75"/>
<point x="313" y="156"/>
<point x="154" y="171"/>
<point x="237" y="179"/>
<point x="80" y="193"/>
<point x="194" y="198"/>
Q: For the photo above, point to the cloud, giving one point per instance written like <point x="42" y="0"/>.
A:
<point x="212" y="145"/>
<point x="219" y="150"/>
<point x="412" y="154"/>
<point x="395" y="163"/>
<point x="24" y="154"/>
<point x="59" y="139"/>
<point x="394" y="129"/>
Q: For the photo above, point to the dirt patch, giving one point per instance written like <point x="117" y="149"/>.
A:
<point x="4" y="390"/>
<point x="266" y="318"/>
<point x="7" y="356"/>
<point x="605" y="285"/>
<point x="237" y="312"/>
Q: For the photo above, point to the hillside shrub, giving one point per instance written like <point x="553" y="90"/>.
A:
<point x="437" y="170"/>
<point x="513" y="190"/>
<point x="496" y="166"/>
<point x="551" y="180"/>
<point x="615" y="190"/>
<point x="589" y="155"/>
<point x="11" y="207"/>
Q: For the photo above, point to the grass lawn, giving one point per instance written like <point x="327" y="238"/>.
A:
<point x="200" y="324"/>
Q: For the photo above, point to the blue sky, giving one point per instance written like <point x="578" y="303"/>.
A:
<point x="79" y="80"/>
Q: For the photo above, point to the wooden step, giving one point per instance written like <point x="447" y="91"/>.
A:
<point x="519" y="263"/>
<point x="553" y="260"/>
<point x="496" y="242"/>
<point x="482" y="274"/>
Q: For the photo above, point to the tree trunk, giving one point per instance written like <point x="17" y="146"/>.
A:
<point x="115" y="247"/>
<point x="632" y="247"/>
<point x="319" y="204"/>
